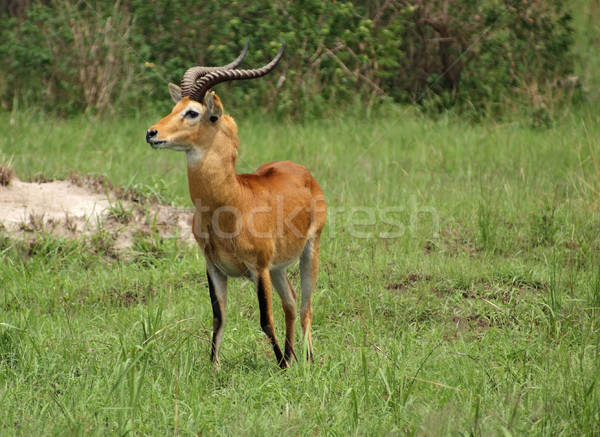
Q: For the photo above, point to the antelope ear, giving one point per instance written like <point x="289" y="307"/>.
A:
<point x="214" y="108"/>
<point x="175" y="92"/>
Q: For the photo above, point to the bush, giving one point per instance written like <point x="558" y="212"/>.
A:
<point x="67" y="57"/>
<point x="115" y="56"/>
<point x="483" y="55"/>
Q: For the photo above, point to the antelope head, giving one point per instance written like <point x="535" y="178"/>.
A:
<point x="198" y="112"/>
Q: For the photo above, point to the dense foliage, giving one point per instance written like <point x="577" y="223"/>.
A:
<point x="103" y="56"/>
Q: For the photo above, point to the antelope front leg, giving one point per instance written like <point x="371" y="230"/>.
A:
<point x="217" y="286"/>
<point x="265" y="304"/>
<point x="284" y="288"/>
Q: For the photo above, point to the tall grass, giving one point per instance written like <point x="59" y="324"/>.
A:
<point x="479" y="316"/>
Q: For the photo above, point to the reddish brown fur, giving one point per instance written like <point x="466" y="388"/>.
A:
<point x="251" y="225"/>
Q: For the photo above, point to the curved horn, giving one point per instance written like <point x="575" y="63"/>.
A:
<point x="191" y="75"/>
<point x="214" y="77"/>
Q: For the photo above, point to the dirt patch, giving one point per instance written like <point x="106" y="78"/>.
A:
<point x="79" y="206"/>
<point x="20" y="201"/>
<point x="475" y="322"/>
<point x="408" y="281"/>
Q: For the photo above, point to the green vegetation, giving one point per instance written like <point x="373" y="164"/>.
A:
<point x="459" y="290"/>
<point x="479" y="316"/>
<point x="482" y="57"/>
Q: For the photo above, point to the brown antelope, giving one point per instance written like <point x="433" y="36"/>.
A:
<point x="253" y="225"/>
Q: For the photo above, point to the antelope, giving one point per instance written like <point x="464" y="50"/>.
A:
<point x="247" y="225"/>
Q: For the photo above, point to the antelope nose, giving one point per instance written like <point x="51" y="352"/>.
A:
<point x="150" y="134"/>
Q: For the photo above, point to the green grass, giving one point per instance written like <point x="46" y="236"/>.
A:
<point x="471" y="308"/>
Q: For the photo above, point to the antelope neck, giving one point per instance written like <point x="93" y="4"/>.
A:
<point x="212" y="179"/>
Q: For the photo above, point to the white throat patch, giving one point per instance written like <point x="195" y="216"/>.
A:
<point x="194" y="157"/>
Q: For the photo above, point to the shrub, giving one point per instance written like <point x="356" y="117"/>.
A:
<point x="67" y="57"/>
<point x="114" y="56"/>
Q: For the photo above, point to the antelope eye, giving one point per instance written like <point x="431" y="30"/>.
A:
<point x="191" y="114"/>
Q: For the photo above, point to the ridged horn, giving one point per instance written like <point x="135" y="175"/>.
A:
<point x="193" y="74"/>
<point x="217" y="76"/>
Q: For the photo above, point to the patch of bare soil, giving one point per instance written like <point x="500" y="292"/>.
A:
<point x="408" y="281"/>
<point x="82" y="205"/>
